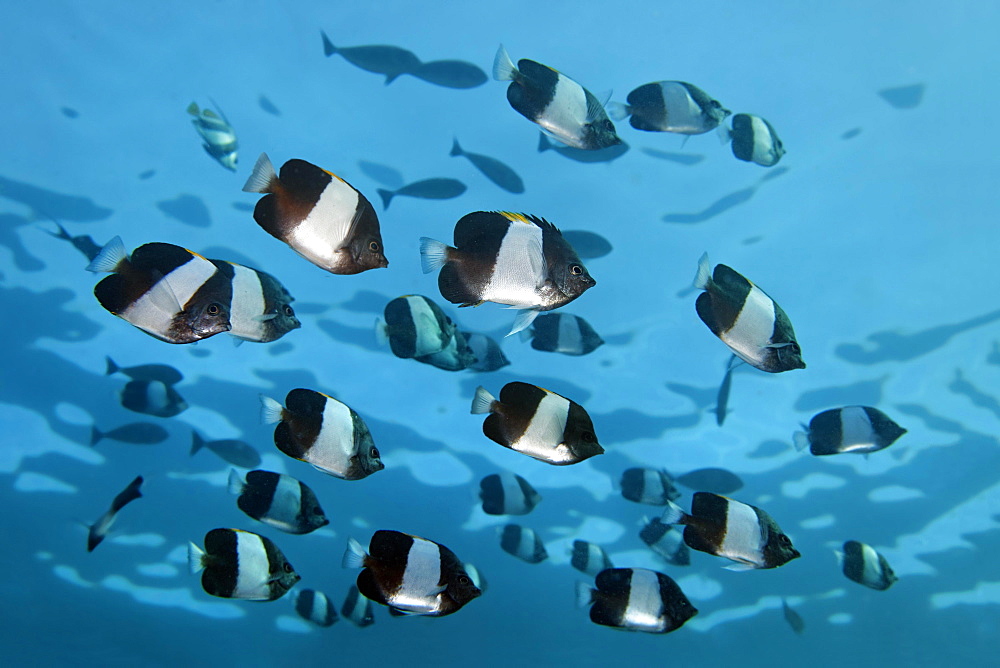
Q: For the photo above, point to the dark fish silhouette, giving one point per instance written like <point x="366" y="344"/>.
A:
<point x="268" y="106"/>
<point x="99" y="529"/>
<point x="793" y="618"/>
<point x="83" y="243"/>
<point x="903" y="97"/>
<point x="493" y="169"/>
<point x="231" y="450"/>
<point x="137" y="433"/>
<point x="391" y="61"/>
<point x="722" y="402"/>
<point x="715" y="480"/>
<point x="679" y="158"/>
<point x="450" y="74"/>
<point x="588" y="245"/>
<point x="164" y="373"/>
<point x="426" y="189"/>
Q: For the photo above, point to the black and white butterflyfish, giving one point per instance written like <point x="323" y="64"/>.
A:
<point x="649" y="486"/>
<point x="260" y="306"/>
<point x="737" y="531"/>
<point x="523" y="543"/>
<point x="314" y="606"/>
<point x="169" y="292"/>
<point x="507" y="494"/>
<point x="414" y="326"/>
<point x="319" y="215"/>
<point x="410" y="575"/>
<point x="152" y="397"/>
<point x="589" y="558"/>
<point x="455" y="356"/>
<point x="864" y="565"/>
<point x="538" y="423"/>
<point x="754" y="140"/>
<point x="98" y="531"/>
<point x="357" y="609"/>
<point x="516" y="259"/>
<point x="489" y="356"/>
<point x="241" y="564"/>
<point x="665" y="542"/>
<point x="746" y="319"/>
<point x="636" y="599"/>
<point x="564" y="333"/>
<point x="278" y="500"/>
<point x="670" y="106"/>
<point x="857" y="429"/>
<point x="316" y="428"/>
<point x="218" y="135"/>
<point x="561" y="106"/>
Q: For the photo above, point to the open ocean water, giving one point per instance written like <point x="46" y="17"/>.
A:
<point x="876" y="233"/>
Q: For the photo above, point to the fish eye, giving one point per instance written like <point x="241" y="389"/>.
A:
<point x="289" y="311"/>
<point x="373" y="246"/>
<point x="464" y="580"/>
<point x="374" y="453"/>
<point x="783" y="539"/>
<point x="287" y="567"/>
<point x="576" y="270"/>
<point x="213" y="309"/>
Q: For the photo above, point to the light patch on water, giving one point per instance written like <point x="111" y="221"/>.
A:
<point x="35" y="439"/>
<point x="325" y="532"/>
<point x="697" y="587"/>
<point x="159" y="570"/>
<point x="360" y="523"/>
<point x="985" y="593"/>
<point x="178" y="555"/>
<point x="213" y="478"/>
<point x="435" y="469"/>
<point x="705" y="622"/>
<point x="891" y="493"/>
<point x="292" y="624"/>
<point x="840" y="618"/>
<point x="799" y="489"/>
<point x="73" y="414"/>
<point x="819" y="522"/>
<point x="178" y="597"/>
<point x="139" y="539"/>
<point x="39" y="482"/>
<point x="638" y="559"/>
<point x="70" y="574"/>
<point x="43" y="555"/>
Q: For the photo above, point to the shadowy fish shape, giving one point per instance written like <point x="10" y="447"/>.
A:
<point x="455" y="356"/>
<point x="507" y="494"/>
<point x="589" y="558"/>
<point x="489" y="356"/>
<point x="564" y="333"/>
<point x="163" y="373"/>
<point x="357" y="609"/>
<point x="319" y="215"/>
<point x="754" y="140"/>
<point x="793" y="618"/>
<point x="588" y="245"/>
<point x="636" y="599"/>
<point x="523" y="543"/>
<point x="98" y="531"/>
<point x="152" y="397"/>
<point x="278" y="500"/>
<point x="648" y="486"/>
<point x="858" y="429"/>
<point x="83" y="242"/>
<point x="237" y="453"/>
<point x="241" y="564"/>
<point x="137" y="433"/>
<point x="217" y="133"/>
<point x="664" y="541"/>
<point x="864" y="565"/>
<point x="437" y="188"/>
<point x="606" y="154"/>
<point x="260" y="306"/>
<point x="493" y="169"/>
<point x="414" y="326"/>
<point x="313" y="606"/>
<point x="715" y="480"/>
<point x="391" y="61"/>
<point x="450" y="73"/>
<point x="722" y="399"/>
<point x="670" y="106"/>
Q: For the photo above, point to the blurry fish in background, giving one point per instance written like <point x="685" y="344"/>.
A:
<point x="455" y="356"/>
<point x="961" y="385"/>
<point x="414" y="326"/>
<point x="588" y="245"/>
<point x="523" y="543"/>
<point x="450" y="73"/>
<point x="589" y="558"/>
<point x="437" y="188"/>
<point x="357" y="609"/>
<point x="169" y="292"/>
<point x="722" y="401"/>
<point x="507" y="494"/>
<point x="241" y="564"/>
<point x="564" y="108"/>
<point x="267" y="105"/>
<point x="217" y="133"/>
<point x="152" y="397"/>
<point x="317" y="429"/>
<point x="507" y="258"/>
<point x="188" y="209"/>
<point x="69" y="112"/>
<point x="563" y="333"/>
<point x="903" y="97"/>
<point x="679" y="158"/>
<point x="98" y="531"/>
<point x="390" y="61"/>
<point x="636" y="599"/>
<point x="851" y="134"/>
<point x="493" y="169"/>
<point x="147" y="174"/>
<point x="670" y="106"/>
<point x="538" y="423"/>
<point x="163" y="373"/>
<point x="138" y="433"/>
<point x="606" y="154"/>
<point x="754" y="140"/>
<point x="864" y="565"/>
<point x="664" y="541"/>
<point x="857" y="429"/>
<point x="489" y="356"/>
<point x="83" y="242"/>
<point x="793" y="618"/>
<point x="390" y="177"/>
<point x="747" y="320"/>
<point x="410" y="575"/>
<point x="313" y="606"/>
<point x="715" y="480"/>
<point x="237" y="453"/>
<point x="278" y="500"/>
<point x="737" y="531"/>
<point x="994" y="356"/>
<point x="319" y="215"/>
<point x="476" y="577"/>
<point x="648" y="486"/>
<point x="260" y="306"/>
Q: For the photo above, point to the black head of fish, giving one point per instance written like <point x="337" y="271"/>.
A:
<point x="778" y="550"/>
<point x="368" y="460"/>
<point x="200" y="321"/>
<point x="569" y="274"/>
<point x="600" y="134"/>
<point x="461" y="588"/>
<point x="284" y="321"/>
<point x="788" y="357"/>
<point x="284" y="578"/>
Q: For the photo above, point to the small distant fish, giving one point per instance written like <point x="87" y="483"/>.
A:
<point x="864" y="565"/>
<point x="606" y="154"/>
<point x="69" y="112"/>
<point x="152" y="397"/>
<point x="357" y="609"/>
<point x="567" y="110"/>
<point x="903" y="97"/>
<point x="410" y="575"/>
<point x="715" y="480"/>
<point x="83" y="242"/>
<point x="268" y="106"/>
<point x="317" y="429"/>
<point x="392" y="61"/>
<point x="523" y="543"/>
<point x="589" y="558"/>
<point x="493" y="169"/>
<point x="237" y="453"/>
<point x="754" y="140"/>
<point x="747" y="320"/>
<point x="507" y="258"/>
<point x="163" y="373"/>
<point x="670" y="106"/>
<point x="414" y="326"/>
<point x="319" y="215"/>
<point x="669" y="544"/>
<point x="994" y="356"/>
<point x="98" y="531"/>
<point x="455" y="356"/>
<point x="722" y="400"/>
<point x="313" y="606"/>
<point x="169" y="292"/>
<point x="564" y="333"/>
<point x="648" y="486"/>
<point x="437" y="188"/>
<point x="679" y="158"/>
<point x="636" y="599"/>
<point x="538" y="423"/>
<point x="138" y="433"/>
<point x="737" y="531"/>
<point x="507" y="494"/>
<point x="858" y="429"/>
<point x="279" y="501"/>
<point x="793" y="618"/>
<point x="217" y="133"/>
<point x="450" y="74"/>
<point x="241" y="564"/>
<point x="147" y="174"/>
<point x="260" y="307"/>
<point x="489" y="356"/>
<point x="588" y="245"/>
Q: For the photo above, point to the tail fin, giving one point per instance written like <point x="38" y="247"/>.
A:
<point x="801" y="440"/>
<point x="197" y="443"/>
<point x="355" y="555"/>
<point x="482" y="402"/>
<point x="381" y="332"/>
<point x="328" y="48"/>
<point x="386" y="196"/>
<point x="262" y="176"/>
<point x="543" y="143"/>
<point x="704" y="275"/>
<point x="618" y="111"/>
<point x="112" y="255"/>
<point x="584" y="594"/>
<point x="503" y="66"/>
<point x="455" y="148"/>
<point x="236" y="483"/>
<point x="196" y="558"/>
<point x="96" y="435"/>
<point x="270" y="410"/>
<point x="111" y="366"/>
<point x="673" y="514"/>
<point x="433" y="254"/>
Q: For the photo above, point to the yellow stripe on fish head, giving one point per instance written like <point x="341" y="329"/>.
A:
<point x="516" y="217"/>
